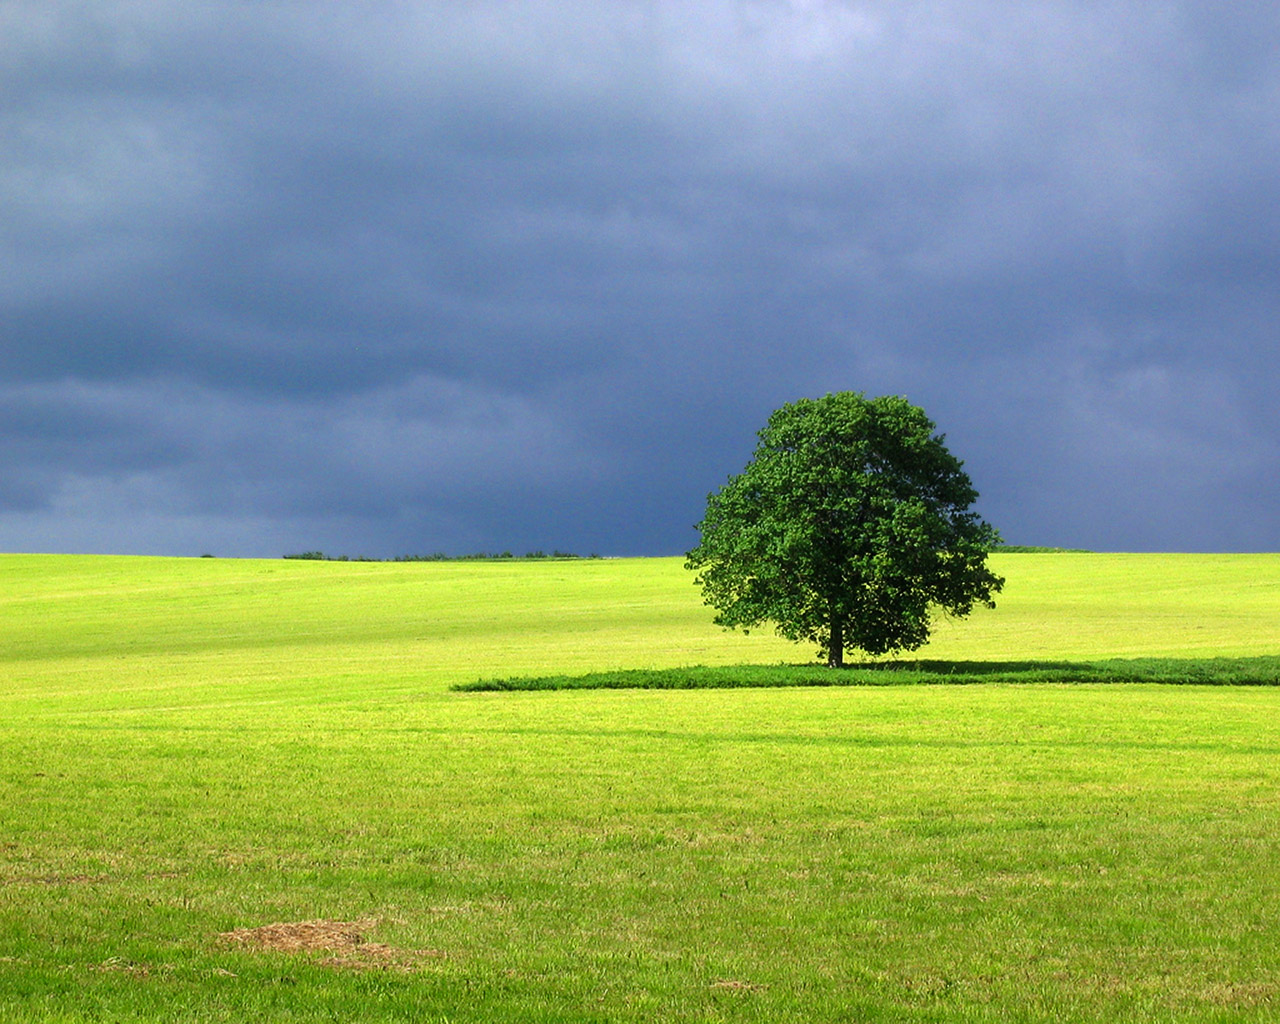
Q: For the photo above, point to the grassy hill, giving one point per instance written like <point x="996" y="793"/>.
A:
<point x="235" y="789"/>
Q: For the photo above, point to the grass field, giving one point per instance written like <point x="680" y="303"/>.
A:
<point x="193" y="749"/>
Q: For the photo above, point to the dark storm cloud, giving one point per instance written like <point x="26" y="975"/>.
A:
<point x="386" y="278"/>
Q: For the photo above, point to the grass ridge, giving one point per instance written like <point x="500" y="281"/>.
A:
<point x="1256" y="671"/>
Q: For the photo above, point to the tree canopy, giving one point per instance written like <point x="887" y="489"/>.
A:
<point x="849" y="528"/>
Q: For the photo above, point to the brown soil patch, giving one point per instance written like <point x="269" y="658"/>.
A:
<point x="734" y="985"/>
<point x="346" y="939"/>
<point x="1244" y="994"/>
<point x="302" y="936"/>
<point x="54" y="880"/>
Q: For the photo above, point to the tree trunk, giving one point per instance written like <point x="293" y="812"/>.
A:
<point x="835" y="651"/>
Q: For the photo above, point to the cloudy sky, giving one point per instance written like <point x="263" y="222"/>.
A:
<point x="397" y="277"/>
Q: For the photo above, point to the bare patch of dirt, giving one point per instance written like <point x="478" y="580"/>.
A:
<point x="346" y="939"/>
<point x="302" y="936"/>
<point x="1246" y="994"/>
<point x="55" y="880"/>
<point x="133" y="968"/>
<point x="734" y="985"/>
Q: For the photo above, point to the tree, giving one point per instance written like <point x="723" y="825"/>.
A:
<point x="849" y="526"/>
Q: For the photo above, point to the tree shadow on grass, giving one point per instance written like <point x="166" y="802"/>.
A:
<point x="1259" y="670"/>
<point x="973" y="668"/>
<point x="1254" y="671"/>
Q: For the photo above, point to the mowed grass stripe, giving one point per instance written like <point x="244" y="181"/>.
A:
<point x="1256" y="671"/>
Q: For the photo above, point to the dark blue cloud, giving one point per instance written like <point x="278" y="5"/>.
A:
<point x="381" y="278"/>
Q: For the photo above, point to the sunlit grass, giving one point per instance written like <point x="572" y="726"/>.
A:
<point x="192" y="747"/>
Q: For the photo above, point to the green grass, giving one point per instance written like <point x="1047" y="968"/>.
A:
<point x="189" y="747"/>
<point x="1261" y="671"/>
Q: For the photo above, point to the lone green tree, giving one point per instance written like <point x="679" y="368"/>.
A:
<point x="849" y="526"/>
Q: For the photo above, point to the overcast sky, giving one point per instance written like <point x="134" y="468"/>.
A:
<point x="392" y="278"/>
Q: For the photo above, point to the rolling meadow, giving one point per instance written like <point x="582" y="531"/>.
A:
<point x="239" y="789"/>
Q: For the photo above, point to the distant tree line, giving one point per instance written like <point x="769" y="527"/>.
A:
<point x="440" y="556"/>
<point x="1024" y="549"/>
